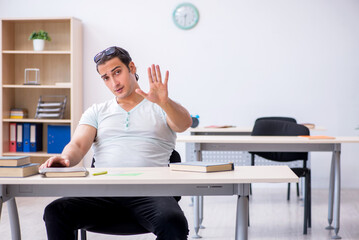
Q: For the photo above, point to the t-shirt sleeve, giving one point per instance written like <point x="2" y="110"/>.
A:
<point x="90" y="117"/>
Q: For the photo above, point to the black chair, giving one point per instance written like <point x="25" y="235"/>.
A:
<point x="288" y="119"/>
<point x="265" y="127"/>
<point x="130" y="226"/>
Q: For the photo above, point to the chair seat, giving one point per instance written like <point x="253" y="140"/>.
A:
<point x="301" y="172"/>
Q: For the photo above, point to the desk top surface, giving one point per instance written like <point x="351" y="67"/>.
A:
<point x="263" y="139"/>
<point x="234" y="129"/>
<point x="163" y="175"/>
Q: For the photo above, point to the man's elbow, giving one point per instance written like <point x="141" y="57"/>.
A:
<point x="186" y="124"/>
<point x="189" y="123"/>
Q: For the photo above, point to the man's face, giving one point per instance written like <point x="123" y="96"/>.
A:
<point x="118" y="78"/>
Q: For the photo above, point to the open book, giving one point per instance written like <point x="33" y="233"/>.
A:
<point x="64" y="172"/>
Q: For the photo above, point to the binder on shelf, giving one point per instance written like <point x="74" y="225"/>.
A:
<point x="26" y="137"/>
<point x="19" y="146"/>
<point x="58" y="136"/>
<point x="12" y="142"/>
<point x="35" y="137"/>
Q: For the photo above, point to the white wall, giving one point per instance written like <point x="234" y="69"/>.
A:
<point x="245" y="59"/>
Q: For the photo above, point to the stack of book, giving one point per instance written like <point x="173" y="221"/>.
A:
<point x="17" y="166"/>
<point x="18" y="113"/>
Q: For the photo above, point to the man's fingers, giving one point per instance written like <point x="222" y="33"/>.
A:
<point x="154" y="76"/>
<point x="159" y="73"/>
<point x="55" y="162"/>
<point x="66" y="163"/>
<point x="50" y="162"/>
<point x="149" y="75"/>
<point x="166" y="77"/>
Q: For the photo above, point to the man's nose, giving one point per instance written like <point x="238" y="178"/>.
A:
<point x="114" y="82"/>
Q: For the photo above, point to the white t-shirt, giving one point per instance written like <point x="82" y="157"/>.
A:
<point x="138" y="138"/>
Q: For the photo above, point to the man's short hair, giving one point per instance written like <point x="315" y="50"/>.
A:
<point x="113" y="52"/>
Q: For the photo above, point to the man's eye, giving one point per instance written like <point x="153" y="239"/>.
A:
<point x="105" y="78"/>
<point x="118" y="72"/>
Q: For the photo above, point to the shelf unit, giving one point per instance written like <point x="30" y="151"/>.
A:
<point x="60" y="67"/>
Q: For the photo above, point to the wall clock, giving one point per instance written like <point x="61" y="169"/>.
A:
<point x="185" y="16"/>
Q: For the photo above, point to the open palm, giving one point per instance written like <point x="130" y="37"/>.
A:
<point x="158" y="92"/>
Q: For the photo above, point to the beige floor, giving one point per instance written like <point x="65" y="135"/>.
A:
<point x="271" y="217"/>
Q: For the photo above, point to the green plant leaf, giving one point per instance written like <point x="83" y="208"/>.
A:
<point x="41" y="34"/>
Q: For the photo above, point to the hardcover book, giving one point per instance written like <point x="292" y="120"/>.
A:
<point x="202" y="166"/>
<point x="20" y="171"/>
<point x="64" y="172"/>
<point x="12" y="161"/>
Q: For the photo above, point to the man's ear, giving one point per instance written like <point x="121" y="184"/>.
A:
<point x="132" y="67"/>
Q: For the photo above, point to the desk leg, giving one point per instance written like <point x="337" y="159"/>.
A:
<point x="1" y="201"/>
<point x="337" y="193"/>
<point x="201" y="212"/>
<point x="196" y="216"/>
<point x="2" y="190"/>
<point x="242" y="213"/>
<point x="197" y="200"/>
<point x="14" y="219"/>
<point x="331" y="194"/>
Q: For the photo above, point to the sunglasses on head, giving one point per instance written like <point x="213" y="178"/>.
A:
<point x="107" y="52"/>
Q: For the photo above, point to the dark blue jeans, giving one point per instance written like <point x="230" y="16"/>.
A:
<point x="116" y="215"/>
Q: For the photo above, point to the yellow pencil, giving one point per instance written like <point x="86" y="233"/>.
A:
<point x="99" y="173"/>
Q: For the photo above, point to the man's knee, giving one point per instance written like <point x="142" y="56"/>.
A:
<point x="54" y="211"/>
<point x="173" y="225"/>
<point x="50" y="211"/>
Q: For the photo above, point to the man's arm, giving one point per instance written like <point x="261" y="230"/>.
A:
<point x="75" y="150"/>
<point x="178" y="118"/>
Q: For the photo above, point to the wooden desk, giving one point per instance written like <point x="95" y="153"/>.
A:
<point x="149" y="182"/>
<point x="279" y="144"/>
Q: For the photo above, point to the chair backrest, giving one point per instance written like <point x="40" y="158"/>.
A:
<point x="175" y="157"/>
<point x="266" y="127"/>
<point x="287" y="119"/>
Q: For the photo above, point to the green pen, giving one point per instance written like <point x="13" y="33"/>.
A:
<point x="99" y="173"/>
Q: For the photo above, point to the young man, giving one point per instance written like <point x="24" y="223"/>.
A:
<point x="135" y="129"/>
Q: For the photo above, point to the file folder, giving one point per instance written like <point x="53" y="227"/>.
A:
<point x="58" y="136"/>
<point x="35" y="137"/>
<point x="12" y="142"/>
<point x="19" y="146"/>
<point x="26" y="137"/>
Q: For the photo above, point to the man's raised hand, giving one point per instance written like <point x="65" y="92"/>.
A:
<point x="158" y="89"/>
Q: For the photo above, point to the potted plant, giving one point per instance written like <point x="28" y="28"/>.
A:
<point x="39" y="39"/>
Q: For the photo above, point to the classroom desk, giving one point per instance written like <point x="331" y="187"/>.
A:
<point x="221" y="131"/>
<point x="149" y="181"/>
<point x="231" y="130"/>
<point x="278" y="144"/>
